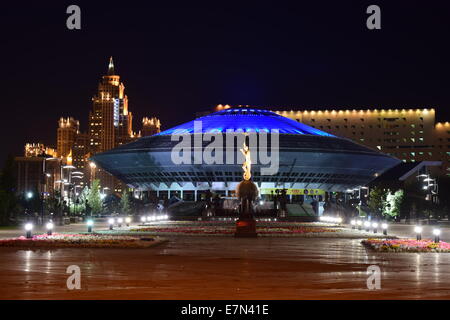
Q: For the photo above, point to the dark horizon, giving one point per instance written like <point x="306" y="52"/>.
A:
<point x="176" y="60"/>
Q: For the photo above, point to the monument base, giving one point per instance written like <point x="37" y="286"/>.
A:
<point x="245" y="228"/>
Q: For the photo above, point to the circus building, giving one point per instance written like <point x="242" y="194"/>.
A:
<point x="310" y="161"/>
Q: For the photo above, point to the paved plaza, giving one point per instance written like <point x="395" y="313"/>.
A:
<point x="189" y="267"/>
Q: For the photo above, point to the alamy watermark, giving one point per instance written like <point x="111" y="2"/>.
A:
<point x="373" y="22"/>
<point x="374" y="280"/>
<point x="73" y="21"/>
<point x="74" y="280"/>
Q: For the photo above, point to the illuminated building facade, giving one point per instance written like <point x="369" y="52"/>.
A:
<point x="37" y="174"/>
<point x="38" y="149"/>
<point x="150" y="126"/>
<point x="410" y="135"/>
<point x="67" y="131"/>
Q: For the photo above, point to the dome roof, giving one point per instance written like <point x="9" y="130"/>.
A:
<point x="245" y="120"/>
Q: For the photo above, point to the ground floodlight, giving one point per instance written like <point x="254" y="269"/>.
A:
<point x="28" y="228"/>
<point x="49" y="226"/>
<point x="374" y="227"/>
<point x="418" y="231"/>
<point x="111" y="223"/>
<point x="437" y="234"/>
<point x="90" y="224"/>
<point x="359" y="224"/>
<point x="384" y="226"/>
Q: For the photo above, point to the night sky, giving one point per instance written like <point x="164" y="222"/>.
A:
<point x="176" y="59"/>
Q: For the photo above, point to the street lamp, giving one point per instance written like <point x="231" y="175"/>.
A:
<point x="29" y="195"/>
<point x="128" y="221"/>
<point x="49" y="227"/>
<point x="418" y="231"/>
<point x="374" y="226"/>
<point x="143" y="219"/>
<point x="28" y="228"/>
<point x="120" y="221"/>
<point x="111" y="223"/>
<point x="367" y="225"/>
<point x="384" y="226"/>
<point x="437" y="234"/>
<point x="359" y="223"/>
<point x="353" y="223"/>
<point x="90" y="224"/>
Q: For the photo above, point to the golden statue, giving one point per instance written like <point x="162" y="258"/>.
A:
<point x="247" y="165"/>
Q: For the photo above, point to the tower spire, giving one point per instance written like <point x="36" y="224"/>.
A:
<point x="111" y="67"/>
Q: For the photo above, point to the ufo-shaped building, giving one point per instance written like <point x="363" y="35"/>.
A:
<point x="306" y="160"/>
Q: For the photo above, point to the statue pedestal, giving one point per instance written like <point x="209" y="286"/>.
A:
<point x="245" y="228"/>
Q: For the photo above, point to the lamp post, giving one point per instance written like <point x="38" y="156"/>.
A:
<point x="143" y="219"/>
<point x="28" y="228"/>
<point x="69" y="182"/>
<point x="49" y="227"/>
<point x="103" y="192"/>
<point x="418" y="231"/>
<point x="353" y="223"/>
<point x="374" y="227"/>
<point x="92" y="165"/>
<point x="119" y="222"/>
<point x="359" y="223"/>
<point x="437" y="234"/>
<point x="384" y="226"/>
<point x="90" y="224"/>
<point x="45" y="189"/>
<point x="128" y="221"/>
<point x="111" y="223"/>
<point x="367" y="225"/>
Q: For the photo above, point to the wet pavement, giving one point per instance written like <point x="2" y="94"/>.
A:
<point x="225" y="268"/>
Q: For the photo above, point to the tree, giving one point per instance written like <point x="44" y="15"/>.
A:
<point x="125" y="206"/>
<point x="377" y="197"/>
<point x="393" y="204"/>
<point x="94" y="199"/>
<point x="399" y="197"/>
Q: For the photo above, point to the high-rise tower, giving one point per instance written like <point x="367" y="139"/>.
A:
<point x="110" y="123"/>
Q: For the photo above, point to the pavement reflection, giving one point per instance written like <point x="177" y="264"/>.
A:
<point x="225" y="268"/>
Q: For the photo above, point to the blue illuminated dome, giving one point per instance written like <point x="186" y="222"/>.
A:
<point x="245" y="120"/>
<point x="308" y="157"/>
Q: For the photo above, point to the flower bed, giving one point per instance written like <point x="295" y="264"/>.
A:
<point x="406" y="245"/>
<point x="230" y="229"/>
<point x="58" y="240"/>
